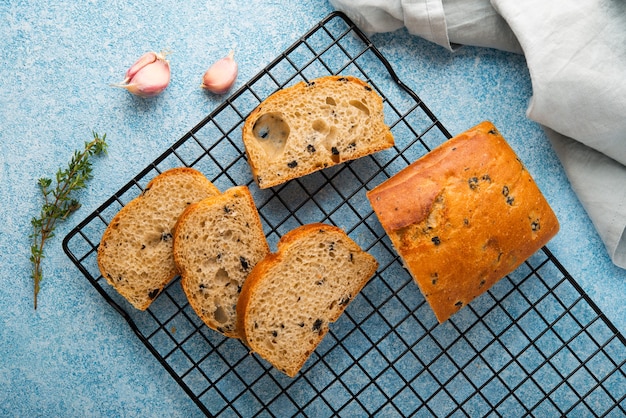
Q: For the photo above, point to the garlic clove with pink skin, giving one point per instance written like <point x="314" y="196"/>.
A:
<point x="221" y="76"/>
<point x="147" y="77"/>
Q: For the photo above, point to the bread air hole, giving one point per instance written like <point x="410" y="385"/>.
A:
<point x="272" y="132"/>
<point x="320" y="126"/>
<point x="361" y="106"/>
<point x="330" y="141"/>
<point x="220" y="315"/>
<point x="221" y="276"/>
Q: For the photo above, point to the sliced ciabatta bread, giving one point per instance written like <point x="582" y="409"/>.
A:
<point x="135" y="252"/>
<point x="292" y="295"/>
<point x="310" y="126"/>
<point x="217" y="242"/>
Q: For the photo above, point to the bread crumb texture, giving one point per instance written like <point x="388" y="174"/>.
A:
<point x="292" y="296"/>
<point x="464" y="216"/>
<point x="217" y="242"/>
<point x="311" y="126"/>
<point x="135" y="252"/>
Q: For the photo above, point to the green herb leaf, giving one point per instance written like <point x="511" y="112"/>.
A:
<point x="58" y="203"/>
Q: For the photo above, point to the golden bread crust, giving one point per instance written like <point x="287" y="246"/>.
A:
<point x="463" y="216"/>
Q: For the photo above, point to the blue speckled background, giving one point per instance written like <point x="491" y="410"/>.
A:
<point x="74" y="355"/>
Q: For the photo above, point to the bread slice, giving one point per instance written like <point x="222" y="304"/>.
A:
<point x="310" y="126"/>
<point x="292" y="295"/>
<point x="463" y="216"/>
<point x="217" y="242"/>
<point x="135" y="252"/>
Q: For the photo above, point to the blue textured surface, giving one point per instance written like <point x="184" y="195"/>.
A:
<point x="75" y="356"/>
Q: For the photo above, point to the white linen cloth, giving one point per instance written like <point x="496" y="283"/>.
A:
<point x="576" y="55"/>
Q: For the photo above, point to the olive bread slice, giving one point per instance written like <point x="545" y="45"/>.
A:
<point x="291" y="296"/>
<point x="217" y="242"/>
<point x="135" y="252"/>
<point x="311" y="126"/>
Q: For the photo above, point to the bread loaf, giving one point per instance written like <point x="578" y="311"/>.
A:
<point x="135" y="252"/>
<point x="292" y="295"/>
<point x="217" y="242"/>
<point x="310" y="126"/>
<point x="463" y="216"/>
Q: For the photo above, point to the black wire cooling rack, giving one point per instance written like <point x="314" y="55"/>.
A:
<point x="535" y="344"/>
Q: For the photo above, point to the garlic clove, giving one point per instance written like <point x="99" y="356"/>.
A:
<point x="147" y="77"/>
<point x="221" y="76"/>
<point x="145" y="59"/>
<point x="150" y="80"/>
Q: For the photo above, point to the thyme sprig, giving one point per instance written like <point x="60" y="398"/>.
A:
<point x="58" y="202"/>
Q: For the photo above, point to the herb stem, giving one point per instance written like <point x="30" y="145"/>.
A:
<point x="68" y="181"/>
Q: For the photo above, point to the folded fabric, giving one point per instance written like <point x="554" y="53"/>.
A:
<point x="577" y="62"/>
<point x="600" y="184"/>
<point x="450" y="23"/>
<point x="576" y="54"/>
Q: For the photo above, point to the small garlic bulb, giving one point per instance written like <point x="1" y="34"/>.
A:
<point x="147" y="77"/>
<point x="220" y="76"/>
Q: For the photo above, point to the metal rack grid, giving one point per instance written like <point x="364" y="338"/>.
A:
<point x="535" y="344"/>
